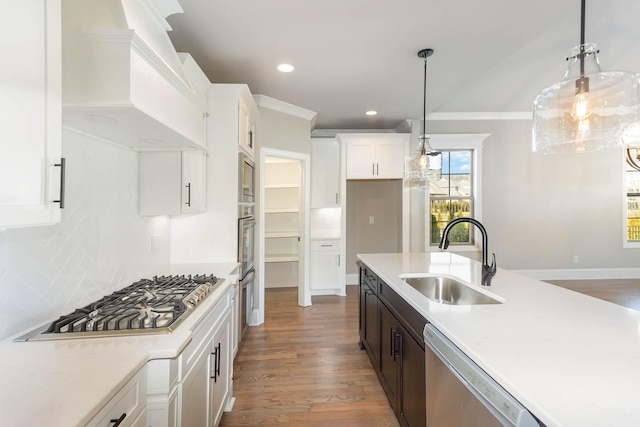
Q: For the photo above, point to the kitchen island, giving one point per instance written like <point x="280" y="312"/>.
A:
<point x="571" y="359"/>
<point x="67" y="382"/>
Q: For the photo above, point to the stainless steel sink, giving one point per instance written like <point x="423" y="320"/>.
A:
<point x="445" y="290"/>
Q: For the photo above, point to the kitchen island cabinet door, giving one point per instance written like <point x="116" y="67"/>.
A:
<point x="389" y="355"/>
<point x="31" y="114"/>
<point x="413" y="396"/>
<point x="369" y="330"/>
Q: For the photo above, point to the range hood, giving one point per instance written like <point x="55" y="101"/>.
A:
<point x="124" y="82"/>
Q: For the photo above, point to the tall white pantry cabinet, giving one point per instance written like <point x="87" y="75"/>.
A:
<point x="31" y="168"/>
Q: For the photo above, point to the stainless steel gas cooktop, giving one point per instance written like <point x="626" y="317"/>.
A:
<point x="148" y="306"/>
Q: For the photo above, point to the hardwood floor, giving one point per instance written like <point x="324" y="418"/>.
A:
<point x="625" y="292"/>
<point x="303" y="367"/>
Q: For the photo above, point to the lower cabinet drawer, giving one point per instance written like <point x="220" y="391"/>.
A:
<point x="324" y="245"/>
<point x="128" y="406"/>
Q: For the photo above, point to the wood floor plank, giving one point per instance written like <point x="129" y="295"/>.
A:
<point x="303" y="367"/>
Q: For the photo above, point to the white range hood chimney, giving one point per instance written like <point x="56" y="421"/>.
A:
<point x="124" y="82"/>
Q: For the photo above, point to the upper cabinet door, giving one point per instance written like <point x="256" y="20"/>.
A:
<point x="325" y="173"/>
<point x="193" y="181"/>
<point x="389" y="159"/>
<point x="374" y="156"/>
<point x="246" y="129"/>
<point x="30" y="114"/>
<point x="171" y="182"/>
<point x="361" y="160"/>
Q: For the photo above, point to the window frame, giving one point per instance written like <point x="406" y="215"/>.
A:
<point x="457" y="142"/>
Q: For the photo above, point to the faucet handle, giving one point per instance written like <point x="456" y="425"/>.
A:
<point x="494" y="265"/>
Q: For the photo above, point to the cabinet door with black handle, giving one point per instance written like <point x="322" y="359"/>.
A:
<point x="413" y="397"/>
<point x="389" y="354"/>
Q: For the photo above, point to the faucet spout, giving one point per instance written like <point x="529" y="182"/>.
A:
<point x="488" y="271"/>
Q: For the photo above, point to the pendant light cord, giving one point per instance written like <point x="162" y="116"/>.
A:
<point x="582" y="25"/>
<point x="424" y="100"/>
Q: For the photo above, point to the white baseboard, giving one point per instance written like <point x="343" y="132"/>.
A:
<point x="353" y="279"/>
<point x="581" y="273"/>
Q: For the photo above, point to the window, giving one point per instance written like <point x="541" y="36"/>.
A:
<point x="632" y="204"/>
<point x="452" y="197"/>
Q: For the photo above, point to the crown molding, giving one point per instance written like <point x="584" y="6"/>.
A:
<point x="284" y="107"/>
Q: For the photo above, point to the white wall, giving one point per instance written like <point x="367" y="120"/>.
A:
<point x="101" y="245"/>
<point x="541" y="211"/>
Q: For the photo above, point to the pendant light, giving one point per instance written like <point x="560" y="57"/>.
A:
<point x="423" y="162"/>
<point x="589" y="109"/>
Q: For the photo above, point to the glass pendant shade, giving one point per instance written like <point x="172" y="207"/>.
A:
<point x="588" y="110"/>
<point x="423" y="162"/>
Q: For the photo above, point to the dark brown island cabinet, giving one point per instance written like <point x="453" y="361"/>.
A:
<point x="391" y="333"/>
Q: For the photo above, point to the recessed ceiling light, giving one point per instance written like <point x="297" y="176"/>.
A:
<point x="285" y="68"/>
<point x="371" y="113"/>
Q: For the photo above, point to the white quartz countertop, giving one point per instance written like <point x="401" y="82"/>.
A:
<point x="66" y="382"/>
<point x="571" y="359"/>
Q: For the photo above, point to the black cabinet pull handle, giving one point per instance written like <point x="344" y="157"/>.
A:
<point x="377" y="169"/>
<point x="214" y="377"/>
<point x="373" y="168"/>
<point x="117" y="421"/>
<point x="397" y="345"/>
<point x="250" y="139"/>
<point x="188" y="194"/>
<point x="63" y="168"/>
<point x="216" y="363"/>
<point x="392" y="336"/>
<point x="218" y="358"/>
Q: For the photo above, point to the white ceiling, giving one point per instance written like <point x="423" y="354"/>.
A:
<point x="356" y="55"/>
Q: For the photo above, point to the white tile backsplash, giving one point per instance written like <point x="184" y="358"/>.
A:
<point x="101" y="245"/>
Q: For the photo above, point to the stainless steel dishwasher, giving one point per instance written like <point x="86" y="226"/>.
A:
<point x="461" y="394"/>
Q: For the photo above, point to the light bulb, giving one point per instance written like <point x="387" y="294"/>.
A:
<point x="423" y="160"/>
<point x="581" y="104"/>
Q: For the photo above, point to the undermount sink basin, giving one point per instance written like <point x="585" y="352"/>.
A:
<point x="445" y="290"/>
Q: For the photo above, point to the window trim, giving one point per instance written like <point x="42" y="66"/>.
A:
<point x="467" y="141"/>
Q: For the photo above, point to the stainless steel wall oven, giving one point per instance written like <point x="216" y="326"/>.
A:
<point x="246" y="234"/>
<point x="246" y="179"/>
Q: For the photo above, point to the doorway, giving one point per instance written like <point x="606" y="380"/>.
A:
<point x="283" y="248"/>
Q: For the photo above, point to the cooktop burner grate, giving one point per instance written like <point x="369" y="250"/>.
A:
<point x="146" y="306"/>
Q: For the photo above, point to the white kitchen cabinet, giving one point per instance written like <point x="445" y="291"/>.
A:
<point x="31" y="114"/>
<point x="222" y="369"/>
<point x="325" y="265"/>
<point x="163" y="391"/>
<point x="206" y="368"/>
<point x="171" y="183"/>
<point x="374" y="156"/>
<point x="325" y="173"/>
<point x="246" y="128"/>
<point x="128" y="405"/>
